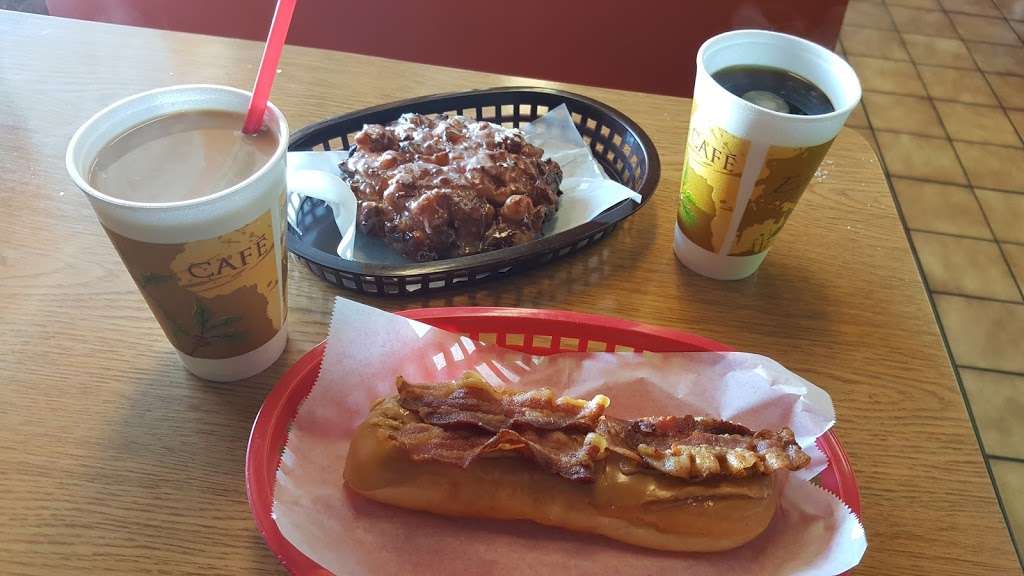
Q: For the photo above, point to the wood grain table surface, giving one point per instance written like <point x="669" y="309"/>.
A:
<point x="116" y="460"/>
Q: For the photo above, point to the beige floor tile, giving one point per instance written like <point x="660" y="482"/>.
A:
<point x="867" y="15"/>
<point x="872" y="42"/>
<point x="981" y="7"/>
<point x="998" y="58"/>
<point x="1015" y="255"/>
<point x="973" y="123"/>
<point x="1010" y="480"/>
<point x="923" y="22"/>
<point x="940" y="208"/>
<point x="920" y="157"/>
<point x="997" y="401"/>
<point x="887" y="76"/>
<point x="1018" y="26"/>
<point x="983" y="333"/>
<point x="964" y="266"/>
<point x="984" y="29"/>
<point x="868" y="135"/>
<point x="990" y="166"/>
<point x="1012" y="9"/>
<point x="839" y="48"/>
<point x="1017" y="118"/>
<point x="959" y="85"/>
<point x="1005" y="212"/>
<point x="857" y="118"/>
<point x="906" y="114"/>
<point x="939" y="51"/>
<point x="1009" y="89"/>
<point x="923" y="4"/>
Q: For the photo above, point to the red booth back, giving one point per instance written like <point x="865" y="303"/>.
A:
<point x="643" y="45"/>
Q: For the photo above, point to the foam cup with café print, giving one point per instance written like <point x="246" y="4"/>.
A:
<point x="196" y="211"/>
<point x="766" y="107"/>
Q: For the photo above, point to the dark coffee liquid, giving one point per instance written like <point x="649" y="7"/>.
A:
<point x="181" y="156"/>
<point x="775" y="89"/>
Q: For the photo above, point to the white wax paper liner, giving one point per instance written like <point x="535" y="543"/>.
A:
<point x="812" y="533"/>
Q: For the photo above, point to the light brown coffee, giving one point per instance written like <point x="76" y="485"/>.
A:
<point x="180" y="156"/>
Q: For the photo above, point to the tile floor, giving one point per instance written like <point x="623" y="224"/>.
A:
<point x="944" y="108"/>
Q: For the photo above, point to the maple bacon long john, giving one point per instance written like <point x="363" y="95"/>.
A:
<point x="465" y="449"/>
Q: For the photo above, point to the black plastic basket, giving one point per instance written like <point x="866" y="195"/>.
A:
<point x="619" y="145"/>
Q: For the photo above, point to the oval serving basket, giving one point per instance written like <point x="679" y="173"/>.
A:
<point x="539" y="332"/>
<point x="620" y="146"/>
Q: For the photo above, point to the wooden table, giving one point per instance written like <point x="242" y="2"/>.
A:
<point x="117" y="460"/>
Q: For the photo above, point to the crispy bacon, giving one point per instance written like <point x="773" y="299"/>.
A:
<point x="429" y="442"/>
<point x="471" y="401"/>
<point x="701" y="448"/>
<point x="569" y="455"/>
<point x="458" y="422"/>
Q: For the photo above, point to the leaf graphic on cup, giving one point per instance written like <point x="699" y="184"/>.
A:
<point x="217" y="297"/>
<point x="209" y="330"/>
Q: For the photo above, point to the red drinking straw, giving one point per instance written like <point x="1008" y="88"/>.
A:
<point x="268" y="66"/>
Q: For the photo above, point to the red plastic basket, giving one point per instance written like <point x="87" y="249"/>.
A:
<point x="539" y="332"/>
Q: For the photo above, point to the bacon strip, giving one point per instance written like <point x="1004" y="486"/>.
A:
<point x="458" y="422"/>
<point x="471" y="401"/>
<point x="429" y="442"/>
<point x="702" y="448"/>
<point x="571" y="456"/>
